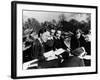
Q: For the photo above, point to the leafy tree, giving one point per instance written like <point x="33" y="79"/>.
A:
<point x="31" y="24"/>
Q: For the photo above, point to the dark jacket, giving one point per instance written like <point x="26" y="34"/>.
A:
<point x="38" y="50"/>
<point x="59" y="43"/>
<point x="76" y="43"/>
<point x="27" y="54"/>
<point x="73" y="61"/>
<point x="49" y="45"/>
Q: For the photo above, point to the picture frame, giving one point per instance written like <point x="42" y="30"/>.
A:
<point x="19" y="10"/>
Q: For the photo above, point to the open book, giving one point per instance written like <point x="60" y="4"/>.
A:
<point x="51" y="55"/>
<point x="32" y="63"/>
<point x="59" y="51"/>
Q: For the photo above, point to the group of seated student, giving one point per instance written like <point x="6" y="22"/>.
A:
<point x="52" y="41"/>
<point x="48" y="41"/>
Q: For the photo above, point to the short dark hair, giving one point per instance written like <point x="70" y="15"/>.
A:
<point x="53" y="28"/>
<point x="79" y="30"/>
<point x="41" y="31"/>
<point x="58" y="29"/>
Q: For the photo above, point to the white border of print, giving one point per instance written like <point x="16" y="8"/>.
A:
<point x="35" y="72"/>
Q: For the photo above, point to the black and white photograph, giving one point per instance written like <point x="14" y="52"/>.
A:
<point x="54" y="39"/>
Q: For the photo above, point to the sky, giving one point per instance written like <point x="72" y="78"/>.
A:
<point x="42" y="16"/>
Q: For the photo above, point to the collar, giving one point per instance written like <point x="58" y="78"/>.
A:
<point x="40" y="40"/>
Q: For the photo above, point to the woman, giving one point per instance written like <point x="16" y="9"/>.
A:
<point x="77" y="40"/>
